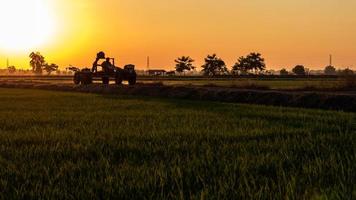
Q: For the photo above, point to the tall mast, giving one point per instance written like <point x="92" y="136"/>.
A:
<point x="148" y="63"/>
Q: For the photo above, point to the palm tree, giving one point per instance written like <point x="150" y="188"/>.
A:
<point x="213" y="65"/>
<point x="184" y="63"/>
<point x="257" y="63"/>
<point x="37" y="62"/>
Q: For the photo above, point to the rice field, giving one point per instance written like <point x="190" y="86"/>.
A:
<point x="57" y="145"/>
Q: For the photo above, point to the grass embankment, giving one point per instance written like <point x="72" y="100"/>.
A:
<point x="274" y="84"/>
<point x="263" y="83"/>
<point x="331" y="100"/>
<point x="84" y="146"/>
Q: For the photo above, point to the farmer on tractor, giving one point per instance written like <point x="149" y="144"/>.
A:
<point x="100" y="55"/>
<point x="109" y="71"/>
<point x="107" y="66"/>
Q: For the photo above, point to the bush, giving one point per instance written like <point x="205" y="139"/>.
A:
<point x="299" y="70"/>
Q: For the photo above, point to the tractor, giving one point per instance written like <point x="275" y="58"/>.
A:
<point x="109" y="71"/>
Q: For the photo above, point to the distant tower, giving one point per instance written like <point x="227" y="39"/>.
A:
<point x="148" y="63"/>
<point x="331" y="60"/>
<point x="7" y="63"/>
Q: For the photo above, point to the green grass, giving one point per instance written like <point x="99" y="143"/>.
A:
<point x="56" y="145"/>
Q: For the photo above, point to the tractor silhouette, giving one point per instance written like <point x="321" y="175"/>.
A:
<point x="109" y="71"/>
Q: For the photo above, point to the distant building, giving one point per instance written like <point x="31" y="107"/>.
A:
<point x="316" y="72"/>
<point x="171" y="73"/>
<point x="140" y="72"/>
<point x="156" y="72"/>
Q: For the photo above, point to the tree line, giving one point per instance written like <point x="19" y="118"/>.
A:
<point x="253" y="63"/>
<point x="216" y="66"/>
<point x="213" y="65"/>
<point x="39" y="65"/>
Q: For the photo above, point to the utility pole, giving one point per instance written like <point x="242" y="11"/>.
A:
<point x="7" y="63"/>
<point x="148" y="65"/>
<point x="331" y="60"/>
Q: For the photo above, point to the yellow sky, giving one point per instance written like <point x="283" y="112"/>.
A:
<point x="286" y="32"/>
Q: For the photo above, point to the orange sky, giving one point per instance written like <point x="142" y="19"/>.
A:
<point x="286" y="32"/>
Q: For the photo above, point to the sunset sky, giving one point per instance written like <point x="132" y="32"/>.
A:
<point x="286" y="32"/>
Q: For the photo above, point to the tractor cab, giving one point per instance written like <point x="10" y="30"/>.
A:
<point x="129" y="68"/>
<point x="107" y="66"/>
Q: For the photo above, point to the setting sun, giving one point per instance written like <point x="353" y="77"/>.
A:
<point x="25" y="24"/>
<point x="71" y="32"/>
<point x="177" y="99"/>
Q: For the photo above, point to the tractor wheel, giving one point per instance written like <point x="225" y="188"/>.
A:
<point x="132" y="80"/>
<point x="118" y="79"/>
<point x="86" y="78"/>
<point x="76" y="79"/>
<point x="105" y="80"/>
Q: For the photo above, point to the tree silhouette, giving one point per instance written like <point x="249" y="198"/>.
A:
<point x="50" y="68"/>
<point x="11" y="69"/>
<point x="242" y="66"/>
<point x="330" y="70"/>
<point x="299" y="70"/>
<point x="37" y="62"/>
<point x="283" y="72"/>
<point x="253" y="61"/>
<point x="184" y="63"/>
<point x="256" y="61"/>
<point x="346" y="72"/>
<point x="213" y="65"/>
<point x="74" y="69"/>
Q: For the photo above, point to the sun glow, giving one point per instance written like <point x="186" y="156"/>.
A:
<point x="25" y="24"/>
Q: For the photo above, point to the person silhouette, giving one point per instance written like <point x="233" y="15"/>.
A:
<point x="100" y="55"/>
<point x="106" y="65"/>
